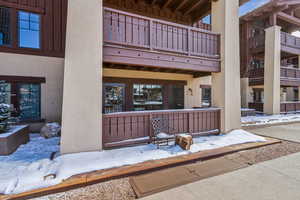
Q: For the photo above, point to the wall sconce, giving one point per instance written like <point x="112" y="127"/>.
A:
<point x="190" y="91"/>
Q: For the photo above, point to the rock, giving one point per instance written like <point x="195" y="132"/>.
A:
<point x="50" y="130"/>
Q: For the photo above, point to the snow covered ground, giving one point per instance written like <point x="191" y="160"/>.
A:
<point x="26" y="168"/>
<point x="269" y="119"/>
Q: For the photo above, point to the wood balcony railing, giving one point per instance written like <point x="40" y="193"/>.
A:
<point x="288" y="72"/>
<point x="130" y="30"/>
<point x="286" y="107"/>
<point x="290" y="42"/>
<point x="127" y="128"/>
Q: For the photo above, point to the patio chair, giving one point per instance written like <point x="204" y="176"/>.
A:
<point x="161" y="135"/>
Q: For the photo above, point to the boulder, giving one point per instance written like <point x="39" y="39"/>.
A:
<point x="50" y="130"/>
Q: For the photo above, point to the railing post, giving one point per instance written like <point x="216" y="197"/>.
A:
<point x="151" y="34"/>
<point x="190" y="41"/>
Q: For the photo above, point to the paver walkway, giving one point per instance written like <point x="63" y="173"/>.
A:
<point x="272" y="180"/>
<point x="289" y="132"/>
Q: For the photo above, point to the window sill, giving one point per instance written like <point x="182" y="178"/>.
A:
<point x="32" y="121"/>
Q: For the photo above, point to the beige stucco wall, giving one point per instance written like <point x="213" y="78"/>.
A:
<point x="226" y="84"/>
<point x="192" y="98"/>
<point x="272" y="70"/>
<point x="82" y="100"/>
<point x="39" y="66"/>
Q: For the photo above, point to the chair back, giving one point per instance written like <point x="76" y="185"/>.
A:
<point x="159" y="125"/>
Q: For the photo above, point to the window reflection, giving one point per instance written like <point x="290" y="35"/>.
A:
<point x="147" y="97"/>
<point x="29" y="30"/>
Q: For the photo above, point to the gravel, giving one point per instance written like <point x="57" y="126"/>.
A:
<point x="120" y="189"/>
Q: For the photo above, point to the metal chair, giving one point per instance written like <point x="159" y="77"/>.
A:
<point x="161" y="135"/>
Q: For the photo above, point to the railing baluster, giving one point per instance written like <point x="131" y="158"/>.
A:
<point x="189" y="41"/>
<point x="151" y="34"/>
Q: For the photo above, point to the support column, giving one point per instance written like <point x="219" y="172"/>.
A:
<point x="82" y="101"/>
<point x="299" y="87"/>
<point x="226" y="84"/>
<point x="245" y="92"/>
<point x="272" y="71"/>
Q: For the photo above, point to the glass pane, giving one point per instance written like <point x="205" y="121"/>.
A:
<point x="4" y="26"/>
<point x="5" y="89"/>
<point x="147" y="97"/>
<point x="176" y="100"/>
<point x="29" y="100"/>
<point x="29" y="30"/>
<point x="206" y="97"/>
<point x="24" y="15"/>
<point x="114" y="97"/>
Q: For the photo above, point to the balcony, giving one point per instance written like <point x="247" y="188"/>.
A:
<point x="128" y="128"/>
<point x="288" y="76"/>
<point x="290" y="43"/>
<point x="139" y="41"/>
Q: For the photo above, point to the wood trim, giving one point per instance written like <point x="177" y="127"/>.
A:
<point x="19" y="6"/>
<point x="23" y="79"/>
<point x="205" y="86"/>
<point x="142" y="81"/>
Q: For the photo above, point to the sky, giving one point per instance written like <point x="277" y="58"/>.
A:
<point x="247" y="7"/>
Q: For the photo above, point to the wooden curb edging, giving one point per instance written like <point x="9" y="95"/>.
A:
<point x="86" y="179"/>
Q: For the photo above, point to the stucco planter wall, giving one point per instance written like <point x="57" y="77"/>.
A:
<point x="10" y="141"/>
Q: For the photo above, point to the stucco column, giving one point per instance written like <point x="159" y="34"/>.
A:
<point x="245" y="92"/>
<point x="272" y="70"/>
<point x="298" y="87"/>
<point x="81" y="118"/>
<point x="226" y="84"/>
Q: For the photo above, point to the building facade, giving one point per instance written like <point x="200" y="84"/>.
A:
<point x="106" y="73"/>
<point x="270" y="75"/>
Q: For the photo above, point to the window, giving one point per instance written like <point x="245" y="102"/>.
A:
<point x="206" y="97"/>
<point x="147" y="97"/>
<point x="114" y="97"/>
<point x="4" y="26"/>
<point x="29" y="101"/>
<point x="29" y="30"/>
<point x="4" y="92"/>
<point x="25" y="98"/>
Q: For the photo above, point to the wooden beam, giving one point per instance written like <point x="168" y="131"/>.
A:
<point x="193" y="7"/>
<point x="288" y="3"/>
<point x="167" y="3"/>
<point x="183" y="2"/>
<point x="288" y="18"/>
<point x="153" y="2"/>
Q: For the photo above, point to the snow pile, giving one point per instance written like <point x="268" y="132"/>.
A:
<point x="269" y="119"/>
<point x="25" y="170"/>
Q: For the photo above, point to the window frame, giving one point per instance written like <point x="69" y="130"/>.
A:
<point x="18" y="30"/>
<point x="14" y="33"/>
<point x="15" y="82"/>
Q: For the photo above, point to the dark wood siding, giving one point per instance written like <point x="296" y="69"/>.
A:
<point x="53" y="25"/>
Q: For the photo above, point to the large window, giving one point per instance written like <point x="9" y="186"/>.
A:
<point x="29" y="30"/>
<point x="4" y="26"/>
<point x="24" y="97"/>
<point x="147" y="97"/>
<point x="29" y="101"/>
<point x="114" y="97"/>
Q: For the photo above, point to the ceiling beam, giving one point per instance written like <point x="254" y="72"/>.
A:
<point x="193" y="7"/>
<point x="288" y="18"/>
<point x="167" y="4"/>
<point x="183" y="2"/>
<point x="153" y="2"/>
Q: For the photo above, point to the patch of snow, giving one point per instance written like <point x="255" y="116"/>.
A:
<point x="269" y="119"/>
<point x="25" y="169"/>
<point x="164" y="136"/>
